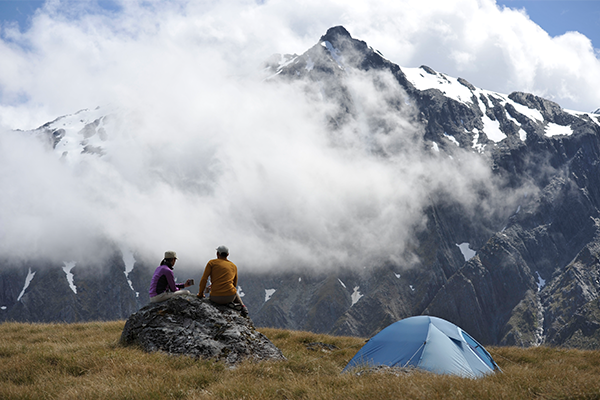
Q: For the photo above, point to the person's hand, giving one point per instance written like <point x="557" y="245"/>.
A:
<point x="188" y="283"/>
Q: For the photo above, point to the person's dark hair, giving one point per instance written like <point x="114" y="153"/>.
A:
<point x="167" y="261"/>
<point x="223" y="251"/>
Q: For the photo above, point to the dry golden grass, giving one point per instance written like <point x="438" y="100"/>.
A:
<point x="85" y="361"/>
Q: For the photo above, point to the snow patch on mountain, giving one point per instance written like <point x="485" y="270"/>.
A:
<point x="424" y="78"/>
<point x="129" y="261"/>
<point x="67" y="268"/>
<point x="82" y="134"/>
<point x="465" y="249"/>
<point x="541" y="282"/>
<point x="492" y="129"/>
<point x="553" y="129"/>
<point x="356" y="295"/>
<point x="269" y="293"/>
<point x="336" y="54"/>
<point x="522" y="135"/>
<point x="594" y="117"/>
<point x="28" y="280"/>
<point x="428" y="79"/>
<point x="530" y="113"/>
<point x="452" y="139"/>
<point x="480" y="147"/>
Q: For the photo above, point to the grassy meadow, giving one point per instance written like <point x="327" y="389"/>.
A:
<point x="86" y="361"/>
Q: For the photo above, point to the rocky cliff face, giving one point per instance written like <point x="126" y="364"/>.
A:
<point x="516" y="270"/>
<point x="41" y="291"/>
<point x="532" y="279"/>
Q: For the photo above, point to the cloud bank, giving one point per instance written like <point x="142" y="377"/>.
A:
<point x="208" y="154"/>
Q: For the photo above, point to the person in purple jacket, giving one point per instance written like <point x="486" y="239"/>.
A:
<point x="163" y="285"/>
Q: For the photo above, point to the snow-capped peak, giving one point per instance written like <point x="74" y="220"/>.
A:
<point x="81" y="134"/>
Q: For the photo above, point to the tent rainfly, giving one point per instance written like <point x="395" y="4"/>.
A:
<point x="428" y="343"/>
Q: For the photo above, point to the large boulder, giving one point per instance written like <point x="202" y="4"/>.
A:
<point x="198" y="328"/>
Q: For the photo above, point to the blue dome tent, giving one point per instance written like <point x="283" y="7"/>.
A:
<point x="428" y="343"/>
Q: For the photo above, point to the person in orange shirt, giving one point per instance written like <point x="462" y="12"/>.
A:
<point x="223" y="277"/>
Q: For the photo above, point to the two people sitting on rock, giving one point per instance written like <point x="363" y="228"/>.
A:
<point x="163" y="286"/>
<point x="223" y="277"/>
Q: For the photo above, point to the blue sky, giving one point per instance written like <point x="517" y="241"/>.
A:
<point x="21" y="11"/>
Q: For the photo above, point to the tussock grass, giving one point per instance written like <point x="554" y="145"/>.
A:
<point x="85" y="361"/>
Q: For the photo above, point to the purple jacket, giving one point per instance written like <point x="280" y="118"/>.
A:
<point x="163" y="280"/>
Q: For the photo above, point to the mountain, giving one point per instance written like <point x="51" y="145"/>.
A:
<point x="513" y="257"/>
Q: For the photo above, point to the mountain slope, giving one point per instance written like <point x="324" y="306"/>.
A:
<point x="531" y="144"/>
<point x="504" y="242"/>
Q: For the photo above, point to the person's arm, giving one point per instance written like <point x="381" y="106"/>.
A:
<point x="171" y="281"/>
<point x="187" y="283"/>
<point x="204" y="280"/>
<point x="235" y="279"/>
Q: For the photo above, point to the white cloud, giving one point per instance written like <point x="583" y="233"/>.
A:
<point x="70" y="59"/>
<point x="210" y="155"/>
<point x="256" y="170"/>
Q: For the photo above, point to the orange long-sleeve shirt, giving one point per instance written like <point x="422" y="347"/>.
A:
<point x="223" y="278"/>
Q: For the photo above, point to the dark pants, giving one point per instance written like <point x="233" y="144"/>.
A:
<point x="234" y="298"/>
